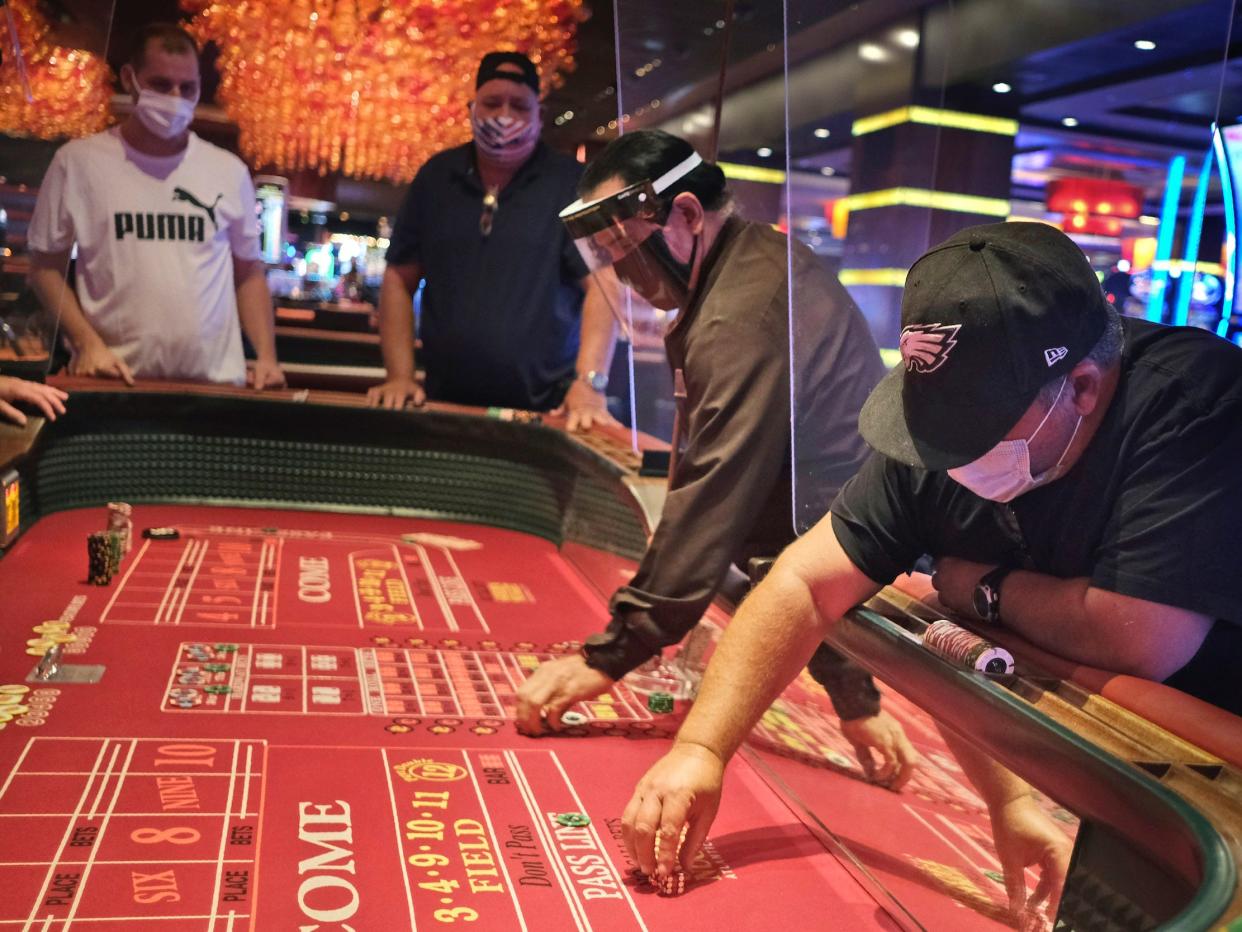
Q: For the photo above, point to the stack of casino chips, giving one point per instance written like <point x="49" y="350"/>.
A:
<point x="100" y="561"/>
<point x="121" y="520"/>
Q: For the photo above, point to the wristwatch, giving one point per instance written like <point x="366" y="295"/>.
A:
<point x="986" y="598"/>
<point x="597" y="380"/>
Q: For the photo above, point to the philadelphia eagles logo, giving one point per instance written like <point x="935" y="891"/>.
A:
<point x="925" y="347"/>
<point x="181" y="194"/>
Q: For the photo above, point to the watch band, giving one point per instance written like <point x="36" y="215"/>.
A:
<point x="988" y="594"/>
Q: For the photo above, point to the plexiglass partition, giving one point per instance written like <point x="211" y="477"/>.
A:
<point x="905" y="126"/>
<point x="56" y="84"/>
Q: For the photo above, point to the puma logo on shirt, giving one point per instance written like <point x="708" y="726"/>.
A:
<point x="181" y="194"/>
<point x="168" y="226"/>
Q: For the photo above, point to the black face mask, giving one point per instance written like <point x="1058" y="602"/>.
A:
<point x="656" y="274"/>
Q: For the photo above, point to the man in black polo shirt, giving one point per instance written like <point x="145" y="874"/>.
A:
<point x="506" y="296"/>
<point x="1073" y="473"/>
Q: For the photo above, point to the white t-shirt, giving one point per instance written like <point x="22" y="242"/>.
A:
<point x="156" y="237"/>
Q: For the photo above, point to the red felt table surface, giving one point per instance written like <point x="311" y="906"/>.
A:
<point x="304" y="721"/>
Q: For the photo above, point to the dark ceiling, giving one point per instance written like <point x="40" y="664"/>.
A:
<point x="1062" y="58"/>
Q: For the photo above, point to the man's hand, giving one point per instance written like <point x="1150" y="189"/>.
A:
<point x="49" y="400"/>
<point x="883" y="735"/>
<point x="681" y="790"/>
<point x="585" y="407"/>
<point x="265" y="374"/>
<point x="553" y="688"/>
<point x="1026" y="836"/>
<point x="955" y="582"/>
<point x="395" y="394"/>
<point x="96" y="361"/>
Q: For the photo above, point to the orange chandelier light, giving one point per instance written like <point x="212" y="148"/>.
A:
<point x="69" y="89"/>
<point x="368" y="88"/>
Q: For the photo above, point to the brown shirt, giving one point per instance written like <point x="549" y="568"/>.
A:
<point x="731" y="497"/>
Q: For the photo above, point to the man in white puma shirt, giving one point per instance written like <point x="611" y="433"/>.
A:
<point x="164" y="222"/>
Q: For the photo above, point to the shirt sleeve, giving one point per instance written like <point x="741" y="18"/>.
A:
<point x="51" y="225"/>
<point x="244" y="230"/>
<point x="1173" y="533"/>
<point x="873" y="520"/>
<point x="405" y="244"/>
<point x="738" y="432"/>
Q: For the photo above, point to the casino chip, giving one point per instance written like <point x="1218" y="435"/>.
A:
<point x="217" y="690"/>
<point x="161" y="533"/>
<point x="574" y="819"/>
<point x="660" y="702"/>
<point x="99" y="564"/>
<point x="573" y="718"/>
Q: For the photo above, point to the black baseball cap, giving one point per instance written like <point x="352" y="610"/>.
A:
<point x="491" y="68"/>
<point x="988" y="317"/>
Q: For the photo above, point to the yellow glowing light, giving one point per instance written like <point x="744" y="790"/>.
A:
<point x="931" y="116"/>
<point x="895" y="278"/>
<point x="69" y="88"/>
<point x="368" y="88"/>
<point x="936" y="200"/>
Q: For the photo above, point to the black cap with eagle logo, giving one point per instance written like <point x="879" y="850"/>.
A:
<point x="988" y="318"/>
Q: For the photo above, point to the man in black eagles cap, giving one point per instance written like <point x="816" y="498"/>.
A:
<point x="1075" y="476"/>
<point x="510" y="316"/>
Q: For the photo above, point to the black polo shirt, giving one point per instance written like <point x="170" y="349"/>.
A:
<point x="1152" y="509"/>
<point x="500" y="313"/>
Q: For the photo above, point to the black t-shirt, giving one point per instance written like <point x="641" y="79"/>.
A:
<point x="1151" y="510"/>
<point x="500" y="313"/>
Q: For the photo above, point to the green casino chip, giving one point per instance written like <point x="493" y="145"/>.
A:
<point x="574" y="819"/>
<point x="226" y="648"/>
<point x="217" y="690"/>
<point x="216" y="667"/>
<point x="660" y="702"/>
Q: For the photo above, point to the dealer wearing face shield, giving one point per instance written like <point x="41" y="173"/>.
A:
<point x="1074" y="474"/>
<point x="662" y="218"/>
<point x="509" y="315"/>
<point x="168" y="257"/>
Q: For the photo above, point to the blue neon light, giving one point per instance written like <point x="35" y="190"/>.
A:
<point x="1194" y="233"/>
<point x="1164" y="239"/>
<point x="1231" y="240"/>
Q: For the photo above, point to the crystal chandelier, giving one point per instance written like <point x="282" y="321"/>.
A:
<point x="368" y="88"/>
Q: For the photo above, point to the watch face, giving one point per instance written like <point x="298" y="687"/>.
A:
<point x="597" y="381"/>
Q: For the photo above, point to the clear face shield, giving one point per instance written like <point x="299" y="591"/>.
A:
<point x="622" y="232"/>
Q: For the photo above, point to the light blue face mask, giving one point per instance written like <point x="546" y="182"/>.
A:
<point x="1004" y="472"/>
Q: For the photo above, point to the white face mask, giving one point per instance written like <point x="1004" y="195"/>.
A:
<point x="505" y="139"/>
<point x="1004" y="472"/>
<point x="164" y="115"/>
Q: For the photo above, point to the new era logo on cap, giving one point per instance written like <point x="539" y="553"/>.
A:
<point x="1054" y="354"/>
<point x="925" y="347"/>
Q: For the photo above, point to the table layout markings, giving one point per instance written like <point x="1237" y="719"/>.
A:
<point x="224" y="837"/>
<point x="448" y="678"/>
<point x="599" y="842"/>
<point x="576" y="907"/>
<point x="956" y="830"/>
<point x="64" y="840"/>
<point x="495" y="841"/>
<point x="487" y="681"/>
<point x="258" y="587"/>
<point x="133" y="565"/>
<point x="418" y="693"/>
<point x="396" y="825"/>
<point x="409" y="590"/>
<point x="189" y="586"/>
<point x="948" y="844"/>
<point x="172" y="582"/>
<point x="429" y="571"/>
<point x="16" y="767"/>
<point x="99" y="837"/>
<point x="465" y="586"/>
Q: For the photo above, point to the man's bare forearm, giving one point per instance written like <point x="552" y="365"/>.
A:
<point x="599" y="326"/>
<point x="771" y="638"/>
<point x="396" y="315"/>
<point x="50" y="286"/>
<point x="254" y="308"/>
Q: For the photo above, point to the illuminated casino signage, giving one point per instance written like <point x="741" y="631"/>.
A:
<point x="12" y="507"/>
